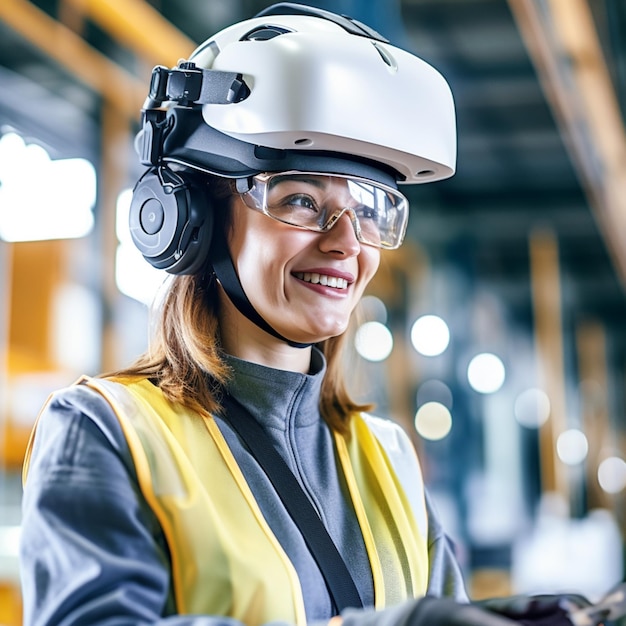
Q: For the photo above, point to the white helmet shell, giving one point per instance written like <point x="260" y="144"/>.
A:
<point x="317" y="87"/>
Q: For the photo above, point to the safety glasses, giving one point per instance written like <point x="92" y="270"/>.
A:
<point x="315" y="201"/>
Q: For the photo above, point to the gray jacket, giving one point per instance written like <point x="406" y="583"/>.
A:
<point x="92" y="551"/>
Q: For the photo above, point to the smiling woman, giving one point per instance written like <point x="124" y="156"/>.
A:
<point x="227" y="476"/>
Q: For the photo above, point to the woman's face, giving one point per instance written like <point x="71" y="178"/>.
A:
<point x="304" y="284"/>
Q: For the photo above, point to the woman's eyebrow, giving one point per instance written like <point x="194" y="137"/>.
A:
<point x="316" y="181"/>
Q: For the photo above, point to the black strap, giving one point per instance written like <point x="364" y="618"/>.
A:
<point x="338" y="579"/>
<point x="188" y="84"/>
<point x="351" y="25"/>
<point x="225" y="271"/>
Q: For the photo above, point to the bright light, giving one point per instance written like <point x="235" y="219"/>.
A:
<point x="433" y="421"/>
<point x="42" y="198"/>
<point x="486" y="373"/>
<point x="532" y="408"/>
<point x="430" y="335"/>
<point x="612" y="474"/>
<point x="9" y="540"/>
<point x="76" y="320"/>
<point x="134" y="276"/>
<point x="373" y="341"/>
<point x="572" y="446"/>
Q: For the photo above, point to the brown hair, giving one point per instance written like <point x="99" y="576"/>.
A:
<point x="184" y="360"/>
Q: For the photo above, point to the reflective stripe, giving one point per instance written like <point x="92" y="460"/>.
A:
<point x="396" y="543"/>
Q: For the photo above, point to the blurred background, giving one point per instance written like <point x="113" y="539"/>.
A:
<point x="496" y="335"/>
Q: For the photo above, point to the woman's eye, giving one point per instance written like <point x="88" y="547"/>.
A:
<point x="302" y="201"/>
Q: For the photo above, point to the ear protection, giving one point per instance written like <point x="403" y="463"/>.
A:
<point x="171" y="222"/>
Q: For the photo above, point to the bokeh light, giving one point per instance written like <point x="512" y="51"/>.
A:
<point x="532" y="408"/>
<point x="612" y="474"/>
<point x="373" y="309"/>
<point x="486" y="373"/>
<point x="430" y="335"/>
<point x="373" y="341"/>
<point x="434" y="391"/>
<point x="433" y="421"/>
<point x="572" y="446"/>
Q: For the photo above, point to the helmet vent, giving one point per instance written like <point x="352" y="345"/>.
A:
<point x="263" y="33"/>
<point x="425" y="173"/>
<point x="386" y="56"/>
<point x="305" y="141"/>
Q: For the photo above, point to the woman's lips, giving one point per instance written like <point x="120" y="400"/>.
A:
<point x="327" y="280"/>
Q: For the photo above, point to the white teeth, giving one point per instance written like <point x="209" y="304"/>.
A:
<point x="322" y="279"/>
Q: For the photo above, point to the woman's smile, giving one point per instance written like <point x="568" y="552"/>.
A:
<point x="326" y="278"/>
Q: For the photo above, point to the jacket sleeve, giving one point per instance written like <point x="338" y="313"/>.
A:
<point x="91" y="551"/>
<point x="445" y="578"/>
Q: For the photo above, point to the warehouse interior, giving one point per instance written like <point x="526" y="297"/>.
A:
<point x="517" y="262"/>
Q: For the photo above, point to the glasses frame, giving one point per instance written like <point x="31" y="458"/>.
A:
<point x="251" y="201"/>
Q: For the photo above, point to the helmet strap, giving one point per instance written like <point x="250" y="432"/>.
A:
<point x="224" y="269"/>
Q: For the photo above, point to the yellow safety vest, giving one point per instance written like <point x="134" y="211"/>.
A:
<point x="225" y="558"/>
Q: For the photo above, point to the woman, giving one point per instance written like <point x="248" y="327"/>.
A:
<point x="155" y="495"/>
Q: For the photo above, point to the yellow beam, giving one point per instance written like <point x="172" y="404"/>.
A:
<point x="578" y="39"/>
<point x="114" y="166"/>
<point x="117" y="86"/>
<point x="562" y="41"/>
<point x="591" y="349"/>
<point x="546" y="299"/>
<point x="141" y="28"/>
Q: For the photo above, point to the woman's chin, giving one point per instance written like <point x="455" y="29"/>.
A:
<point x="317" y="334"/>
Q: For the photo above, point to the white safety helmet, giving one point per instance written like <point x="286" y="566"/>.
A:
<point x="300" y="88"/>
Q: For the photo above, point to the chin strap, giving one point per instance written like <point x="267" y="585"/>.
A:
<point x="224" y="269"/>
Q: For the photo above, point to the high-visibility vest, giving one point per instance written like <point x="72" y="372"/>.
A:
<point x="225" y="558"/>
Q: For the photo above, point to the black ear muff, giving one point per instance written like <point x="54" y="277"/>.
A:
<point x="171" y="222"/>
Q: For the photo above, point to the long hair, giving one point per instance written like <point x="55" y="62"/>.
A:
<point x="184" y="356"/>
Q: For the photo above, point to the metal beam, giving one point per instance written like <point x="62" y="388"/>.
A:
<point x="563" y="43"/>
<point x="594" y="384"/>
<point x="113" y="83"/>
<point x="547" y="305"/>
<point x="139" y="27"/>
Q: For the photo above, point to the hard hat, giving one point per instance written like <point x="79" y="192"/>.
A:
<point x="302" y="88"/>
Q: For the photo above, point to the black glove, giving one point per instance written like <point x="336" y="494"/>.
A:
<point x="446" y="612"/>
<point x="539" y="610"/>
<point x="428" y="611"/>
<point x="546" y="610"/>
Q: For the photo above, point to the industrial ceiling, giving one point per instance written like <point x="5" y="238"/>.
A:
<point x="533" y="150"/>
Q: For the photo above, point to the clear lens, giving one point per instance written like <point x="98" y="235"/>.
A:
<point x="379" y="214"/>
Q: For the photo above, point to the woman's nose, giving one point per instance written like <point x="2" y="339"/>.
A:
<point x="341" y="237"/>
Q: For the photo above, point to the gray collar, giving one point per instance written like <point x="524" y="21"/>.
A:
<point x="278" y="398"/>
